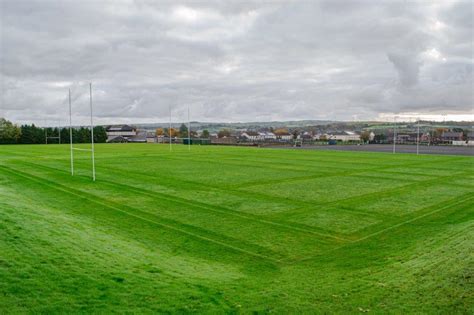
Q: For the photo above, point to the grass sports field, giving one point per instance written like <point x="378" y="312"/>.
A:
<point x="225" y="229"/>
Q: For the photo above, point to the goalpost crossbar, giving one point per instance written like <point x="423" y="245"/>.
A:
<point x="53" y="137"/>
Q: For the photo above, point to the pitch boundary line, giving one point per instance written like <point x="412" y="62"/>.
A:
<point x="305" y="203"/>
<point x="307" y="229"/>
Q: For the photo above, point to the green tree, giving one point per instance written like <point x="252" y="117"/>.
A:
<point x="38" y="134"/>
<point x="9" y="133"/>
<point x="48" y="132"/>
<point x="365" y="136"/>
<point x="83" y="135"/>
<point x="27" y="135"/>
<point x="205" y="134"/>
<point x="100" y="135"/>
<point x="224" y="133"/>
<point x="65" y="135"/>
<point x="183" y="131"/>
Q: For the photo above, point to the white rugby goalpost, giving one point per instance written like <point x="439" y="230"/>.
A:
<point x="72" y="148"/>
<point x="417" y="134"/>
<point x="189" y="129"/>
<point x="52" y="137"/>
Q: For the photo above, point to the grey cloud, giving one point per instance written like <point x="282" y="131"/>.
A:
<point x="408" y="68"/>
<point x="460" y="14"/>
<point x="235" y="61"/>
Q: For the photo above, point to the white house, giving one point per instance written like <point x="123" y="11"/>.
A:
<point x="345" y="136"/>
<point x="286" y="136"/>
<point x="251" y="136"/>
<point x="258" y="136"/>
<point x="269" y="136"/>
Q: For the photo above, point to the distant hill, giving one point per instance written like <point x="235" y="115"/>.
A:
<point x="302" y="124"/>
<point x="211" y="126"/>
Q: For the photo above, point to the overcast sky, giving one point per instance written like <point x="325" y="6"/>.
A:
<point x="236" y="61"/>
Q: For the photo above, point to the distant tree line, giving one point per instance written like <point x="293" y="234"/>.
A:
<point x="31" y="134"/>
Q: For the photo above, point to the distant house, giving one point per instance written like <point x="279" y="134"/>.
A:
<point x="117" y="139"/>
<point x="408" y="137"/>
<point x="322" y="136"/>
<point x="307" y="136"/>
<point x="151" y="137"/>
<point x="269" y="135"/>
<point x="257" y="136"/>
<point x="125" y="132"/>
<point x="161" y="139"/>
<point x="345" y="136"/>
<point x="140" y="137"/>
<point x="285" y="136"/>
<point x="250" y="136"/>
<point x="450" y="136"/>
<point x="467" y="141"/>
<point x="470" y="136"/>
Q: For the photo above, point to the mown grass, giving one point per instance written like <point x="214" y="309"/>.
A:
<point x="223" y="229"/>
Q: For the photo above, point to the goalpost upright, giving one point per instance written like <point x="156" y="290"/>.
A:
<point x="92" y="134"/>
<point x="394" y="134"/>
<point x="169" y="129"/>
<point x="189" y="131"/>
<point x="70" y="135"/>
<point x="72" y="148"/>
<point x="418" y="137"/>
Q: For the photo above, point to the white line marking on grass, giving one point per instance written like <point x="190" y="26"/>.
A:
<point x="289" y="261"/>
<point x="208" y="207"/>
<point x="31" y="178"/>
<point x="224" y="211"/>
<point x="412" y="220"/>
